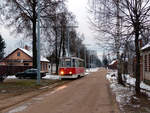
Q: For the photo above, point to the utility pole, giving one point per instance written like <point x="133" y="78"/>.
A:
<point x="38" y="47"/>
<point x="68" y="38"/>
<point x="68" y="43"/>
<point x="78" y="52"/>
<point x="85" y="57"/>
<point x="56" y="45"/>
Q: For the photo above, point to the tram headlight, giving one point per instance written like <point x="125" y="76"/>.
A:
<point x="70" y="73"/>
<point x="62" y="72"/>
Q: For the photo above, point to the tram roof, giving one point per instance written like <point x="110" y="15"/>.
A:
<point x="72" y="58"/>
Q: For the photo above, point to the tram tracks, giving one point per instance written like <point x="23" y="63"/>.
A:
<point x="11" y="101"/>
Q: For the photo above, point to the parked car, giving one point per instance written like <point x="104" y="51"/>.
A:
<point x="29" y="73"/>
<point x="11" y="70"/>
<point x="2" y="77"/>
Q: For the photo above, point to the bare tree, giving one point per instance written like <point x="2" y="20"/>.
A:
<point x="135" y="17"/>
<point x="22" y="15"/>
<point x="108" y="22"/>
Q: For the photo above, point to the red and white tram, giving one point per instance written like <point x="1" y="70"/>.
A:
<point x="71" y="67"/>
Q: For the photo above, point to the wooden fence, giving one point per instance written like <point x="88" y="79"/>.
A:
<point x="11" y="70"/>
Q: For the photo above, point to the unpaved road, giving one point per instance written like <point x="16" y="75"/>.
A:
<point x="90" y="94"/>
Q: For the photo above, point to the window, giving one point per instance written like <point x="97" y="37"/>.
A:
<point x="149" y="62"/>
<point x="73" y="62"/>
<point x="26" y="64"/>
<point x="62" y="63"/>
<point x="45" y="66"/>
<point x="81" y="64"/>
<point x="68" y="64"/>
<point x="77" y="63"/>
<point x="145" y="63"/>
<point x="18" y="54"/>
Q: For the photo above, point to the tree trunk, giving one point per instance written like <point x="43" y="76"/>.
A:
<point x="51" y="67"/>
<point x="137" y="72"/>
<point x="56" y="59"/>
<point x="120" y="81"/>
<point x="119" y="68"/>
<point x="34" y="41"/>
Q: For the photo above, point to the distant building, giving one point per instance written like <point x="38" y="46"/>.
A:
<point x="145" y="62"/>
<point x="113" y="64"/>
<point x="23" y="57"/>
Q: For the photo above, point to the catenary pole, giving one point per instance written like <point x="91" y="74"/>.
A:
<point x="85" y="57"/>
<point x="68" y="42"/>
<point x="38" y="46"/>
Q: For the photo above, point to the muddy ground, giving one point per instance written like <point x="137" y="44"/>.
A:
<point x="90" y="94"/>
<point x="14" y="91"/>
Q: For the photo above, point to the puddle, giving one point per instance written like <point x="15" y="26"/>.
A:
<point x="44" y="87"/>
<point x="56" y="90"/>
<point x="61" y="88"/>
<point x="38" y="99"/>
<point x="18" y="109"/>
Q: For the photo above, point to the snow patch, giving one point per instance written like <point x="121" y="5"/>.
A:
<point x="18" y="109"/>
<point x="11" y="77"/>
<point x="112" y="76"/>
<point x="113" y="62"/>
<point x="146" y="46"/>
<point x="53" y="77"/>
<point x="92" y="70"/>
<point x="126" y="97"/>
<point x="145" y="86"/>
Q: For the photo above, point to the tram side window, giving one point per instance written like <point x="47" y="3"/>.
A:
<point x="73" y="63"/>
<point x="62" y="63"/>
<point x="81" y="64"/>
<point x="76" y="63"/>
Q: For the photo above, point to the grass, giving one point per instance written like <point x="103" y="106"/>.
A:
<point x="22" y="86"/>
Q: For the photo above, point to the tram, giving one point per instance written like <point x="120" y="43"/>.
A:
<point x="71" y="67"/>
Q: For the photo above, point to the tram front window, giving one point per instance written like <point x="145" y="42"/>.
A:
<point x="68" y="64"/>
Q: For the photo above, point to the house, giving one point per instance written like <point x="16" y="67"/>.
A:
<point x="145" y="62"/>
<point x="133" y="72"/>
<point x="23" y="57"/>
<point x="113" y="64"/>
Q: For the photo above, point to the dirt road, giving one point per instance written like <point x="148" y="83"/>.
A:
<point x="90" y="94"/>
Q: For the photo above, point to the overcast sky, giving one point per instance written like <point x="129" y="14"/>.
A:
<point x="79" y="9"/>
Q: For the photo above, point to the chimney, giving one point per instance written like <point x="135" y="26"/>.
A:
<point x="26" y="47"/>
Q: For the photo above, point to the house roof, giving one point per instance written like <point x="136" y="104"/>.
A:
<point x="31" y="55"/>
<point x="113" y="62"/>
<point x="146" y="46"/>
